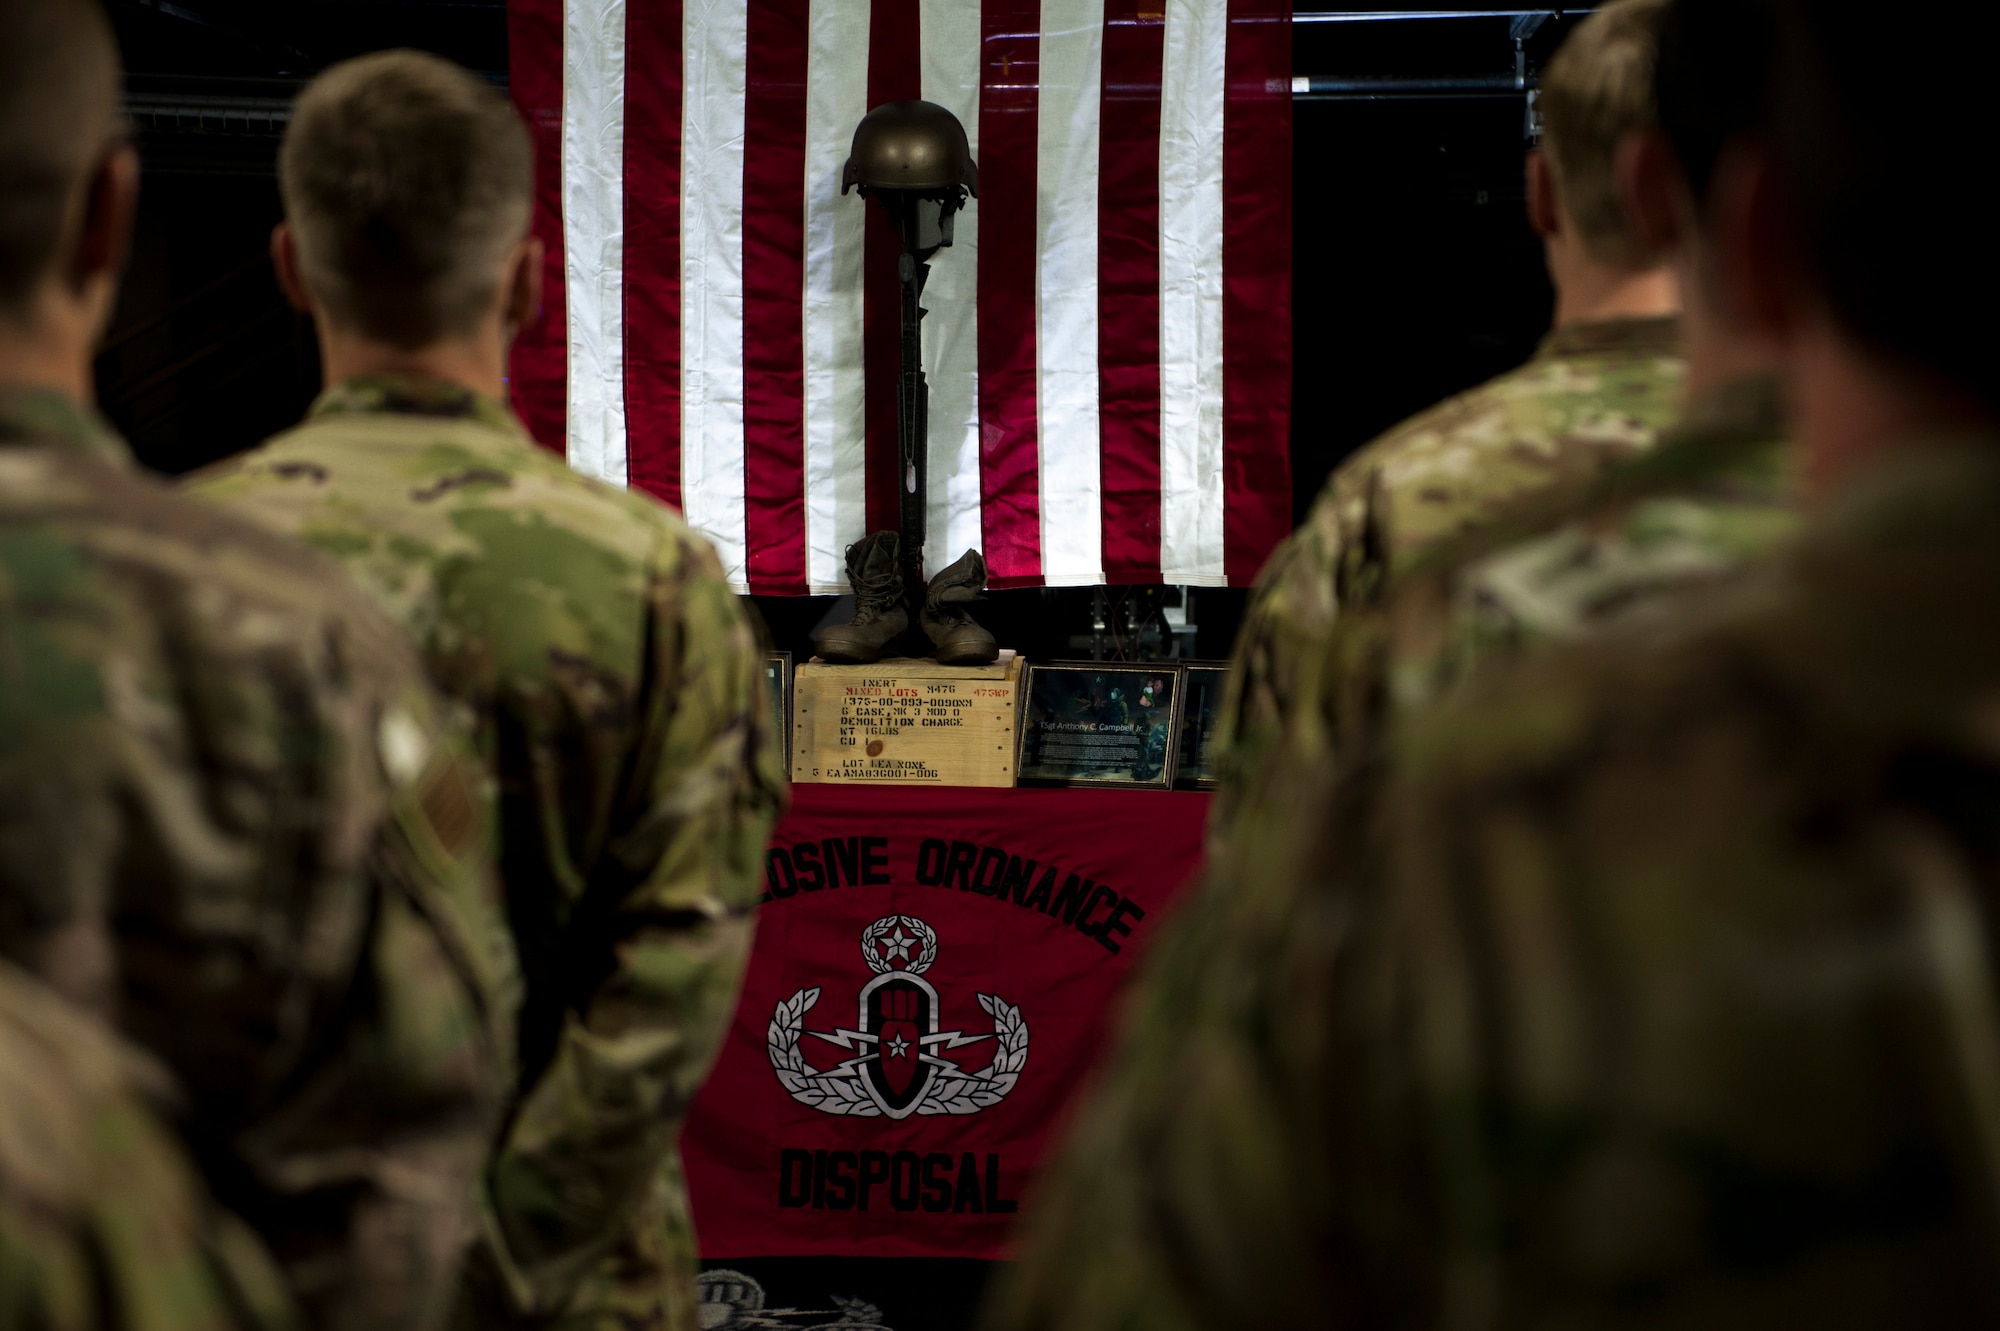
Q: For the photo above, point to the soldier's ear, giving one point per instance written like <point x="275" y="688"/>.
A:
<point x="285" y="262"/>
<point x="1544" y="212"/>
<point x="110" y="207"/>
<point x="1652" y="188"/>
<point x="524" y="285"/>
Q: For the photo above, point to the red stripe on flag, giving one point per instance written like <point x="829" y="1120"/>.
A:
<point x="538" y="373"/>
<point x="1009" y="448"/>
<point x="1128" y="287"/>
<point x="1256" y="286"/>
<point x="653" y="248"/>
<point x="774" y="234"/>
<point x="895" y="74"/>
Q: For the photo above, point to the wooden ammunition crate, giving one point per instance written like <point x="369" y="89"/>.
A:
<point x="906" y="722"/>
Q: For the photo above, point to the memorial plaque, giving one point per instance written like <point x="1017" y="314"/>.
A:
<point x="778" y="687"/>
<point x="1096" y="724"/>
<point x="1201" y="708"/>
<point x="906" y="722"/>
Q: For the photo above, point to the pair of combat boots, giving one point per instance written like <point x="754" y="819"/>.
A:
<point x="875" y="570"/>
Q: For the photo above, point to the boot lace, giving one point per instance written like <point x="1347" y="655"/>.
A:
<point x="875" y="594"/>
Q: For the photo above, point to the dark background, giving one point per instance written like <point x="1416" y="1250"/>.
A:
<point x="1415" y="272"/>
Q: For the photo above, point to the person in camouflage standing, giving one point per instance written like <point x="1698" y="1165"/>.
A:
<point x="104" y="1223"/>
<point x="1599" y="389"/>
<point x="1719" y="489"/>
<point x="611" y="678"/>
<point x="231" y="824"/>
<point x="1656" y="986"/>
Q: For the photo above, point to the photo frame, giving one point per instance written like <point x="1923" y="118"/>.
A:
<point x="1100" y="723"/>
<point x="1202" y="686"/>
<point x="778" y="691"/>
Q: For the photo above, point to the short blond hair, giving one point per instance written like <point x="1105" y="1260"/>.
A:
<point x="407" y="181"/>
<point x="59" y="77"/>
<point x="1597" y="90"/>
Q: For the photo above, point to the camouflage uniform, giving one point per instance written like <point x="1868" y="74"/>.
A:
<point x="1717" y="491"/>
<point x="104" y="1226"/>
<point x="615" y="688"/>
<point x="1594" y="394"/>
<point x="230" y="822"/>
<point x="1655" y="987"/>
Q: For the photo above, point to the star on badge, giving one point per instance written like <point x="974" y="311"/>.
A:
<point x="898" y="945"/>
<point x="898" y="1046"/>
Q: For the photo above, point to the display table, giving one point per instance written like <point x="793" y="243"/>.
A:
<point x="931" y="985"/>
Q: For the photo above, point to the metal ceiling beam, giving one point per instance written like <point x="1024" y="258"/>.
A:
<point x="1397" y="15"/>
<point x="209" y="115"/>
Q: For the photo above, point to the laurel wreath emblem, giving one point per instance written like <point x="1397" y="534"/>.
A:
<point x="843" y="1091"/>
<point x="872" y="936"/>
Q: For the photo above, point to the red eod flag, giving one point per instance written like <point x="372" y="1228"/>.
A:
<point x="931" y="985"/>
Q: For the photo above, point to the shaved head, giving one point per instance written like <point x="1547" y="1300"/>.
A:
<point x="59" y="79"/>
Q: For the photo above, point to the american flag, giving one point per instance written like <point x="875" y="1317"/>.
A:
<point x="1109" y="338"/>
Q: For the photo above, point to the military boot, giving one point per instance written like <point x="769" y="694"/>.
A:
<point x="960" y="640"/>
<point x="875" y="571"/>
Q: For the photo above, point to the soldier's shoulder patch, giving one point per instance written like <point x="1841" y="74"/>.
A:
<point x="438" y="782"/>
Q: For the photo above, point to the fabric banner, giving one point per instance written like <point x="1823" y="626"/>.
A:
<point x="931" y="986"/>
<point x="1108" y="342"/>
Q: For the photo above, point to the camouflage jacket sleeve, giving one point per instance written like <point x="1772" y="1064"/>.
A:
<point x="661" y="939"/>
<point x="1271" y="690"/>
<point x="104" y="1224"/>
<point x="230" y="820"/>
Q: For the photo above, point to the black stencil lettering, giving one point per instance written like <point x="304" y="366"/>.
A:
<point x="1074" y="889"/>
<point x="903" y="1181"/>
<point x="840" y="1181"/>
<point x="819" y="1180"/>
<point x="1039" y="898"/>
<point x="805" y="858"/>
<point x="958" y="872"/>
<point x="1099" y="896"/>
<point x="843" y="854"/>
<point x="937" y="1182"/>
<point x="931" y="857"/>
<point x="1116" y="924"/>
<point x="875" y="861"/>
<point x="992" y="864"/>
<point x="967" y="1197"/>
<point x="874" y="1173"/>
<point x="795" y="1173"/>
<point x="1014" y="883"/>
<point x="777" y="863"/>
<point x="995" y="1203"/>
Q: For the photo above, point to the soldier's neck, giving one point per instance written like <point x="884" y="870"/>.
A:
<point x="48" y="350"/>
<point x="477" y="363"/>
<point x="1855" y="409"/>
<point x="1591" y="294"/>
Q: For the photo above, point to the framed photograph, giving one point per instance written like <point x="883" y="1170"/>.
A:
<point x="778" y="688"/>
<point x="1100" y="724"/>
<point x="1201" y="707"/>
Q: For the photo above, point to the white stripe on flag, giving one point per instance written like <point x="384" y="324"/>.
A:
<point x="715" y="34"/>
<point x="593" y="197"/>
<point x="1066" y="160"/>
<point x="1191" y="101"/>
<point x="950" y="35"/>
<point x="836" y="466"/>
